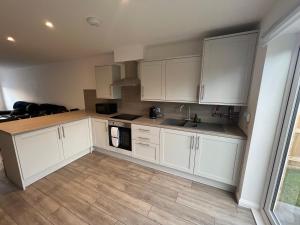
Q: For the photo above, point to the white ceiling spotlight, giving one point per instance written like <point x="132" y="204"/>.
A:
<point x="93" y="21"/>
<point x="124" y="1"/>
<point x="49" y="24"/>
<point x="10" y="39"/>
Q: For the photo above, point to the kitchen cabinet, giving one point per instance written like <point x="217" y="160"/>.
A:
<point x="145" y="143"/>
<point x="100" y="133"/>
<point x="39" y="150"/>
<point x="227" y="68"/>
<point x="152" y="81"/>
<point x="145" y="151"/>
<point x="182" y="79"/>
<point x="177" y="150"/>
<point x="218" y="158"/>
<point x="172" y="80"/>
<point x="105" y="76"/>
<point x="75" y="137"/>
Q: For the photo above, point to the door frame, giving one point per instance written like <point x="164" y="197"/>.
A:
<point x="283" y="136"/>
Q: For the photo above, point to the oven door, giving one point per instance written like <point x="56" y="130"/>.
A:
<point x="124" y="138"/>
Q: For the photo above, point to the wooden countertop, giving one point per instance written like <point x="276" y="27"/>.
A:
<point x="26" y="125"/>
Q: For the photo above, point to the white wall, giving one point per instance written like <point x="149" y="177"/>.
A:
<point x="63" y="83"/>
<point x="58" y="83"/>
<point x="281" y="9"/>
<point x="261" y="136"/>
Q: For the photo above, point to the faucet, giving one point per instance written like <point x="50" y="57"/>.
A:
<point x="188" y="111"/>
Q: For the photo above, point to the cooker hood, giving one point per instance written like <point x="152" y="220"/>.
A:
<point x="131" y="77"/>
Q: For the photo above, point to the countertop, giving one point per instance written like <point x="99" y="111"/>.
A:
<point x="26" y="125"/>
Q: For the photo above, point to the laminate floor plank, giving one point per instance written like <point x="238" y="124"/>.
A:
<point x="100" y="189"/>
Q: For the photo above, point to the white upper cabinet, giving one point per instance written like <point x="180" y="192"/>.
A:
<point x="172" y="80"/>
<point x="177" y="150"/>
<point x="218" y="158"/>
<point x="75" y="137"/>
<point x="153" y="81"/>
<point x="227" y="69"/>
<point x="105" y="76"/>
<point x="182" y="79"/>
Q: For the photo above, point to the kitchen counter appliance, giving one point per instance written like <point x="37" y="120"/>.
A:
<point x="106" y="108"/>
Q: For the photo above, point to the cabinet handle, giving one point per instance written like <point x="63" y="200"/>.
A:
<point x="197" y="143"/>
<point x="192" y="142"/>
<point x="63" y="131"/>
<point x="110" y="91"/>
<point x="142" y="138"/>
<point x="202" y="91"/>
<point x="144" y="130"/>
<point x="144" y="144"/>
<point x="58" y="130"/>
<point x="142" y="91"/>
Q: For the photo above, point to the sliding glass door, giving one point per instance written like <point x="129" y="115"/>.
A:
<point x="282" y="204"/>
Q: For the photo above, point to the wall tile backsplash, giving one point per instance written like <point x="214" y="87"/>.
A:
<point x="131" y="103"/>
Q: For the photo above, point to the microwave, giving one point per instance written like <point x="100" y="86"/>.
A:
<point x="106" y="108"/>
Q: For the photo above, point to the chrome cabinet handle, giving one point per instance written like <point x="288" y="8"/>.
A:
<point x="63" y="131"/>
<point x="142" y="138"/>
<point x="144" y="130"/>
<point x="59" y="136"/>
<point x="142" y="91"/>
<point x="192" y="142"/>
<point x="198" y="143"/>
<point x="202" y="91"/>
<point x="144" y="144"/>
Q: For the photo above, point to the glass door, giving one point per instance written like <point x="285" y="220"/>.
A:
<point x="282" y="204"/>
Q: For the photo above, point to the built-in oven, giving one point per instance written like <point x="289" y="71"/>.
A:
<point x="120" y="135"/>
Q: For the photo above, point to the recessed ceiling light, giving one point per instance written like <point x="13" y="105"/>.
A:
<point x="124" y="1"/>
<point x="49" y="24"/>
<point x="93" y="21"/>
<point x="11" y="39"/>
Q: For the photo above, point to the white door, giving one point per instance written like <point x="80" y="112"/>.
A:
<point x="227" y="69"/>
<point x="76" y="137"/>
<point x="218" y="158"/>
<point x="100" y="133"/>
<point x="145" y="151"/>
<point x="182" y="79"/>
<point x="39" y="150"/>
<point x="177" y="150"/>
<point x="153" y="81"/>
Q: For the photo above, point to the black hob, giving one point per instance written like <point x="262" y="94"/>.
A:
<point x="125" y="117"/>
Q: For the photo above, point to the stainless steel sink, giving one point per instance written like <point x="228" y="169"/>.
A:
<point x="189" y="124"/>
<point x="174" y="122"/>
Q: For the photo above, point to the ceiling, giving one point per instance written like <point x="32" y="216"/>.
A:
<point x="123" y="22"/>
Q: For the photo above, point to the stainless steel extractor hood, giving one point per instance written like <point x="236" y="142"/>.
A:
<point x="131" y="77"/>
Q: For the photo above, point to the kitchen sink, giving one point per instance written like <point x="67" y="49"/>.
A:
<point x="174" y="122"/>
<point x="189" y="124"/>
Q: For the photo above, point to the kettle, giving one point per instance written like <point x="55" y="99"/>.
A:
<point x="154" y="112"/>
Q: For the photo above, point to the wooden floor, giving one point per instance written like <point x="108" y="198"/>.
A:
<point x="99" y="189"/>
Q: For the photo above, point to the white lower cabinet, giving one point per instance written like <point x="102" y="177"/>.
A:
<point x="218" y="158"/>
<point x="75" y="137"/>
<point x="100" y="133"/>
<point x="38" y="150"/>
<point x="42" y="152"/>
<point x="177" y="150"/>
<point x="145" y="151"/>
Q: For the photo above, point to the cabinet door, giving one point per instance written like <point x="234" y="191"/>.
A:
<point x="153" y="81"/>
<point x="105" y="75"/>
<point x="227" y="69"/>
<point x="182" y="79"/>
<point x="38" y="150"/>
<point x="145" y="151"/>
<point x="100" y="133"/>
<point x="218" y="158"/>
<point x="177" y="150"/>
<point x="76" y="137"/>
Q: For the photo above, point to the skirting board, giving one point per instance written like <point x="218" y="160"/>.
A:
<point x="260" y="217"/>
<point x="202" y="180"/>
<point x="248" y="204"/>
